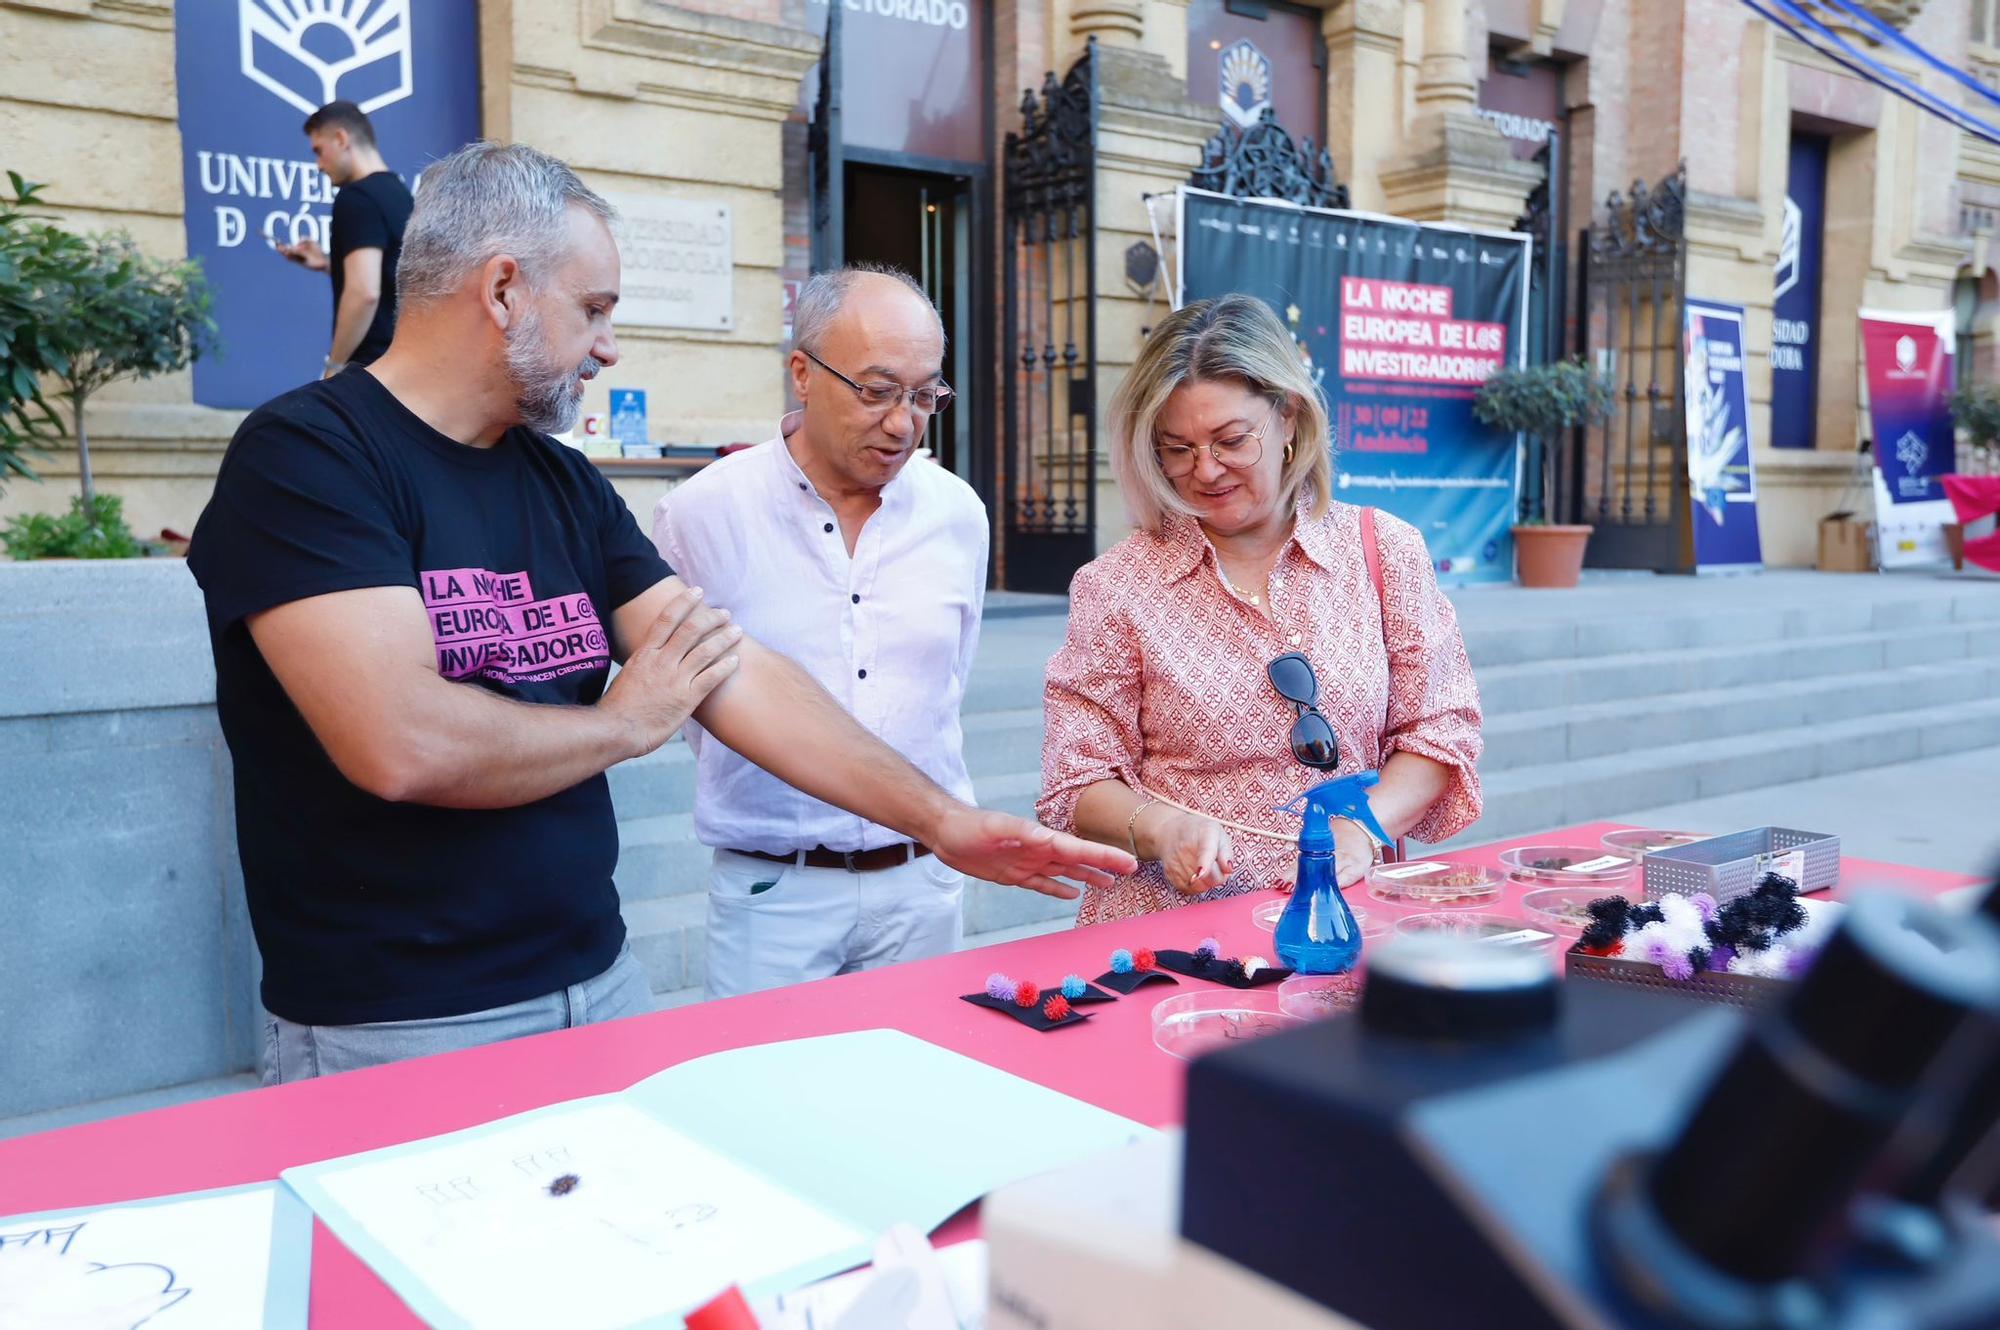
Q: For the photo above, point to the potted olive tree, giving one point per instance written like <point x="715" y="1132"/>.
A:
<point x="100" y="311"/>
<point x="1545" y="402"/>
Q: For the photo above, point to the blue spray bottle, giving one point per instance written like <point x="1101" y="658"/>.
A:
<point x="1317" y="933"/>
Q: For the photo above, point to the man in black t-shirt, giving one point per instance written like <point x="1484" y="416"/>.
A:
<point x="415" y="598"/>
<point x="369" y="215"/>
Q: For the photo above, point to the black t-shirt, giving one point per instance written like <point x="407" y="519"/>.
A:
<point x="367" y="910"/>
<point x="370" y="213"/>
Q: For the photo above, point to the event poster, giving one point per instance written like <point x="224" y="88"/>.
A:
<point x="1399" y="323"/>
<point x="1908" y="358"/>
<point x="1721" y="484"/>
<point x="249" y="73"/>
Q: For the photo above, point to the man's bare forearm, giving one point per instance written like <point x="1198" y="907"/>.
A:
<point x="463" y="747"/>
<point x="351" y="323"/>
<point x="774" y="714"/>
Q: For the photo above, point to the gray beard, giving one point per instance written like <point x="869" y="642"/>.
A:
<point x="547" y="397"/>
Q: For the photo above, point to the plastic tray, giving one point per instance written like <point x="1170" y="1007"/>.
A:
<point x="1728" y="866"/>
<point x="1190" y="1024"/>
<point x="1736" y="990"/>
<point x="1265" y="914"/>
<point x="1638" y="841"/>
<point x="1480" y="926"/>
<point x="1566" y="865"/>
<point x="1432" y="885"/>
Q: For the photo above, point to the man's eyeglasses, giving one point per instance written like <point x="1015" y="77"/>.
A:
<point x="1235" y="452"/>
<point x="881" y="395"/>
<point x="1313" y="743"/>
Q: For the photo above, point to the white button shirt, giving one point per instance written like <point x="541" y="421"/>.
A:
<point x="890" y="632"/>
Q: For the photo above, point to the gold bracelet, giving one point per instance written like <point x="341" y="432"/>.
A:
<point x="1132" y="825"/>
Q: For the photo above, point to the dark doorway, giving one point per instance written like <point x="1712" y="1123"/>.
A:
<point x="920" y="221"/>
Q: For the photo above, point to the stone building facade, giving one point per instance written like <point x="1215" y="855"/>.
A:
<point x="1431" y="109"/>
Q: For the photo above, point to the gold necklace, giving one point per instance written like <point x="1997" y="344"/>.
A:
<point x="1253" y="597"/>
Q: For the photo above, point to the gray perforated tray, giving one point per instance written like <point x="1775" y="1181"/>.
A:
<point x="1736" y="990"/>
<point x="1729" y="866"/>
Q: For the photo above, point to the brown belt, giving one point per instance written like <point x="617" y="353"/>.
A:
<point x="854" y="861"/>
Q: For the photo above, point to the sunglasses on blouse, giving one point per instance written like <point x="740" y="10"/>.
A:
<point x="1313" y="743"/>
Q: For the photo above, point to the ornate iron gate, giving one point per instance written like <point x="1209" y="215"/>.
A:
<point x="1048" y="465"/>
<point x="1263" y="162"/>
<point x="1630" y="474"/>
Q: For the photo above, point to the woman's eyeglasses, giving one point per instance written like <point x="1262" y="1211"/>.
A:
<point x="1236" y="452"/>
<point x="1313" y="743"/>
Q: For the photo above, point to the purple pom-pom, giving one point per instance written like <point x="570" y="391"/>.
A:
<point x="1000" y="987"/>
<point x="1704" y="905"/>
<point x="1073" y="987"/>
<point x="1675" y="965"/>
<point x="1209" y="949"/>
<point x="1121" y="961"/>
<point x="1719" y="959"/>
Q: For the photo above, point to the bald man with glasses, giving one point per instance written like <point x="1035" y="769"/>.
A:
<point x="828" y="544"/>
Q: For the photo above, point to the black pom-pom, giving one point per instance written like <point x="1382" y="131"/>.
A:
<point x="1642" y="915"/>
<point x="1698" y="958"/>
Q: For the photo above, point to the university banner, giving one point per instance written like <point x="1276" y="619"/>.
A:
<point x="249" y="72"/>
<point x="1908" y="357"/>
<point x="1399" y="323"/>
<point x="1720" y="479"/>
<point x="1795" y="280"/>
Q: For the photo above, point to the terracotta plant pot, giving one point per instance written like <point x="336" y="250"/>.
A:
<point x="1550" y="556"/>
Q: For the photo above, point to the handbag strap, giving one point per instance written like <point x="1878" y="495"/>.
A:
<point x="1371" y="552"/>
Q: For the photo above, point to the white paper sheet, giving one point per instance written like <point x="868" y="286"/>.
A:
<point x="197" y="1264"/>
<point x="649" y="1221"/>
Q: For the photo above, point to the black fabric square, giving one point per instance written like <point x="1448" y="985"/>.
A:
<point x="1031" y="1017"/>
<point x="1221" y="970"/>
<point x="1133" y="980"/>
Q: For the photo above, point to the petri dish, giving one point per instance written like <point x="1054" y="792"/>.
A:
<point x="1565" y="909"/>
<point x="1566" y="865"/>
<point x="1188" y="1025"/>
<point x="1638" y="840"/>
<point x="1433" y="885"/>
<point x="1314" y="996"/>
<point x="1502" y="930"/>
<point x="1265" y="915"/>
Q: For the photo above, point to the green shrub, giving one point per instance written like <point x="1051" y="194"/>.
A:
<point x="77" y="534"/>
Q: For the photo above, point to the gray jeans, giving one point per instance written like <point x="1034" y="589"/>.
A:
<point x="294" y="1052"/>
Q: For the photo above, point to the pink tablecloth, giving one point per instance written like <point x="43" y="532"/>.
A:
<point x="1109" y="1061"/>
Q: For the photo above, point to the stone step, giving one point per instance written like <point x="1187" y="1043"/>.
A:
<point x="1562" y="734"/>
<point x="1527" y="799"/>
<point x="1542" y="685"/>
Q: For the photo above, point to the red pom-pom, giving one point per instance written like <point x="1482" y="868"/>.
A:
<point x="1145" y="961"/>
<point x="1027" y="995"/>
<point x="1056" y="1008"/>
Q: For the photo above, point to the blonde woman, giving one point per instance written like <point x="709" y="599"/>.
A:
<point x="1163" y="725"/>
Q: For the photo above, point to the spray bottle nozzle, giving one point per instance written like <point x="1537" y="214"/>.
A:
<point x="1345" y="797"/>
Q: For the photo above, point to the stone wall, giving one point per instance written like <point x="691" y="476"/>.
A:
<point x="126" y="959"/>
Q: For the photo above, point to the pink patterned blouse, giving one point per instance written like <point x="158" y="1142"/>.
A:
<point x="1161" y="684"/>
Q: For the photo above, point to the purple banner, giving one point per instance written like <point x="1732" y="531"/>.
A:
<point x="1909" y="384"/>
